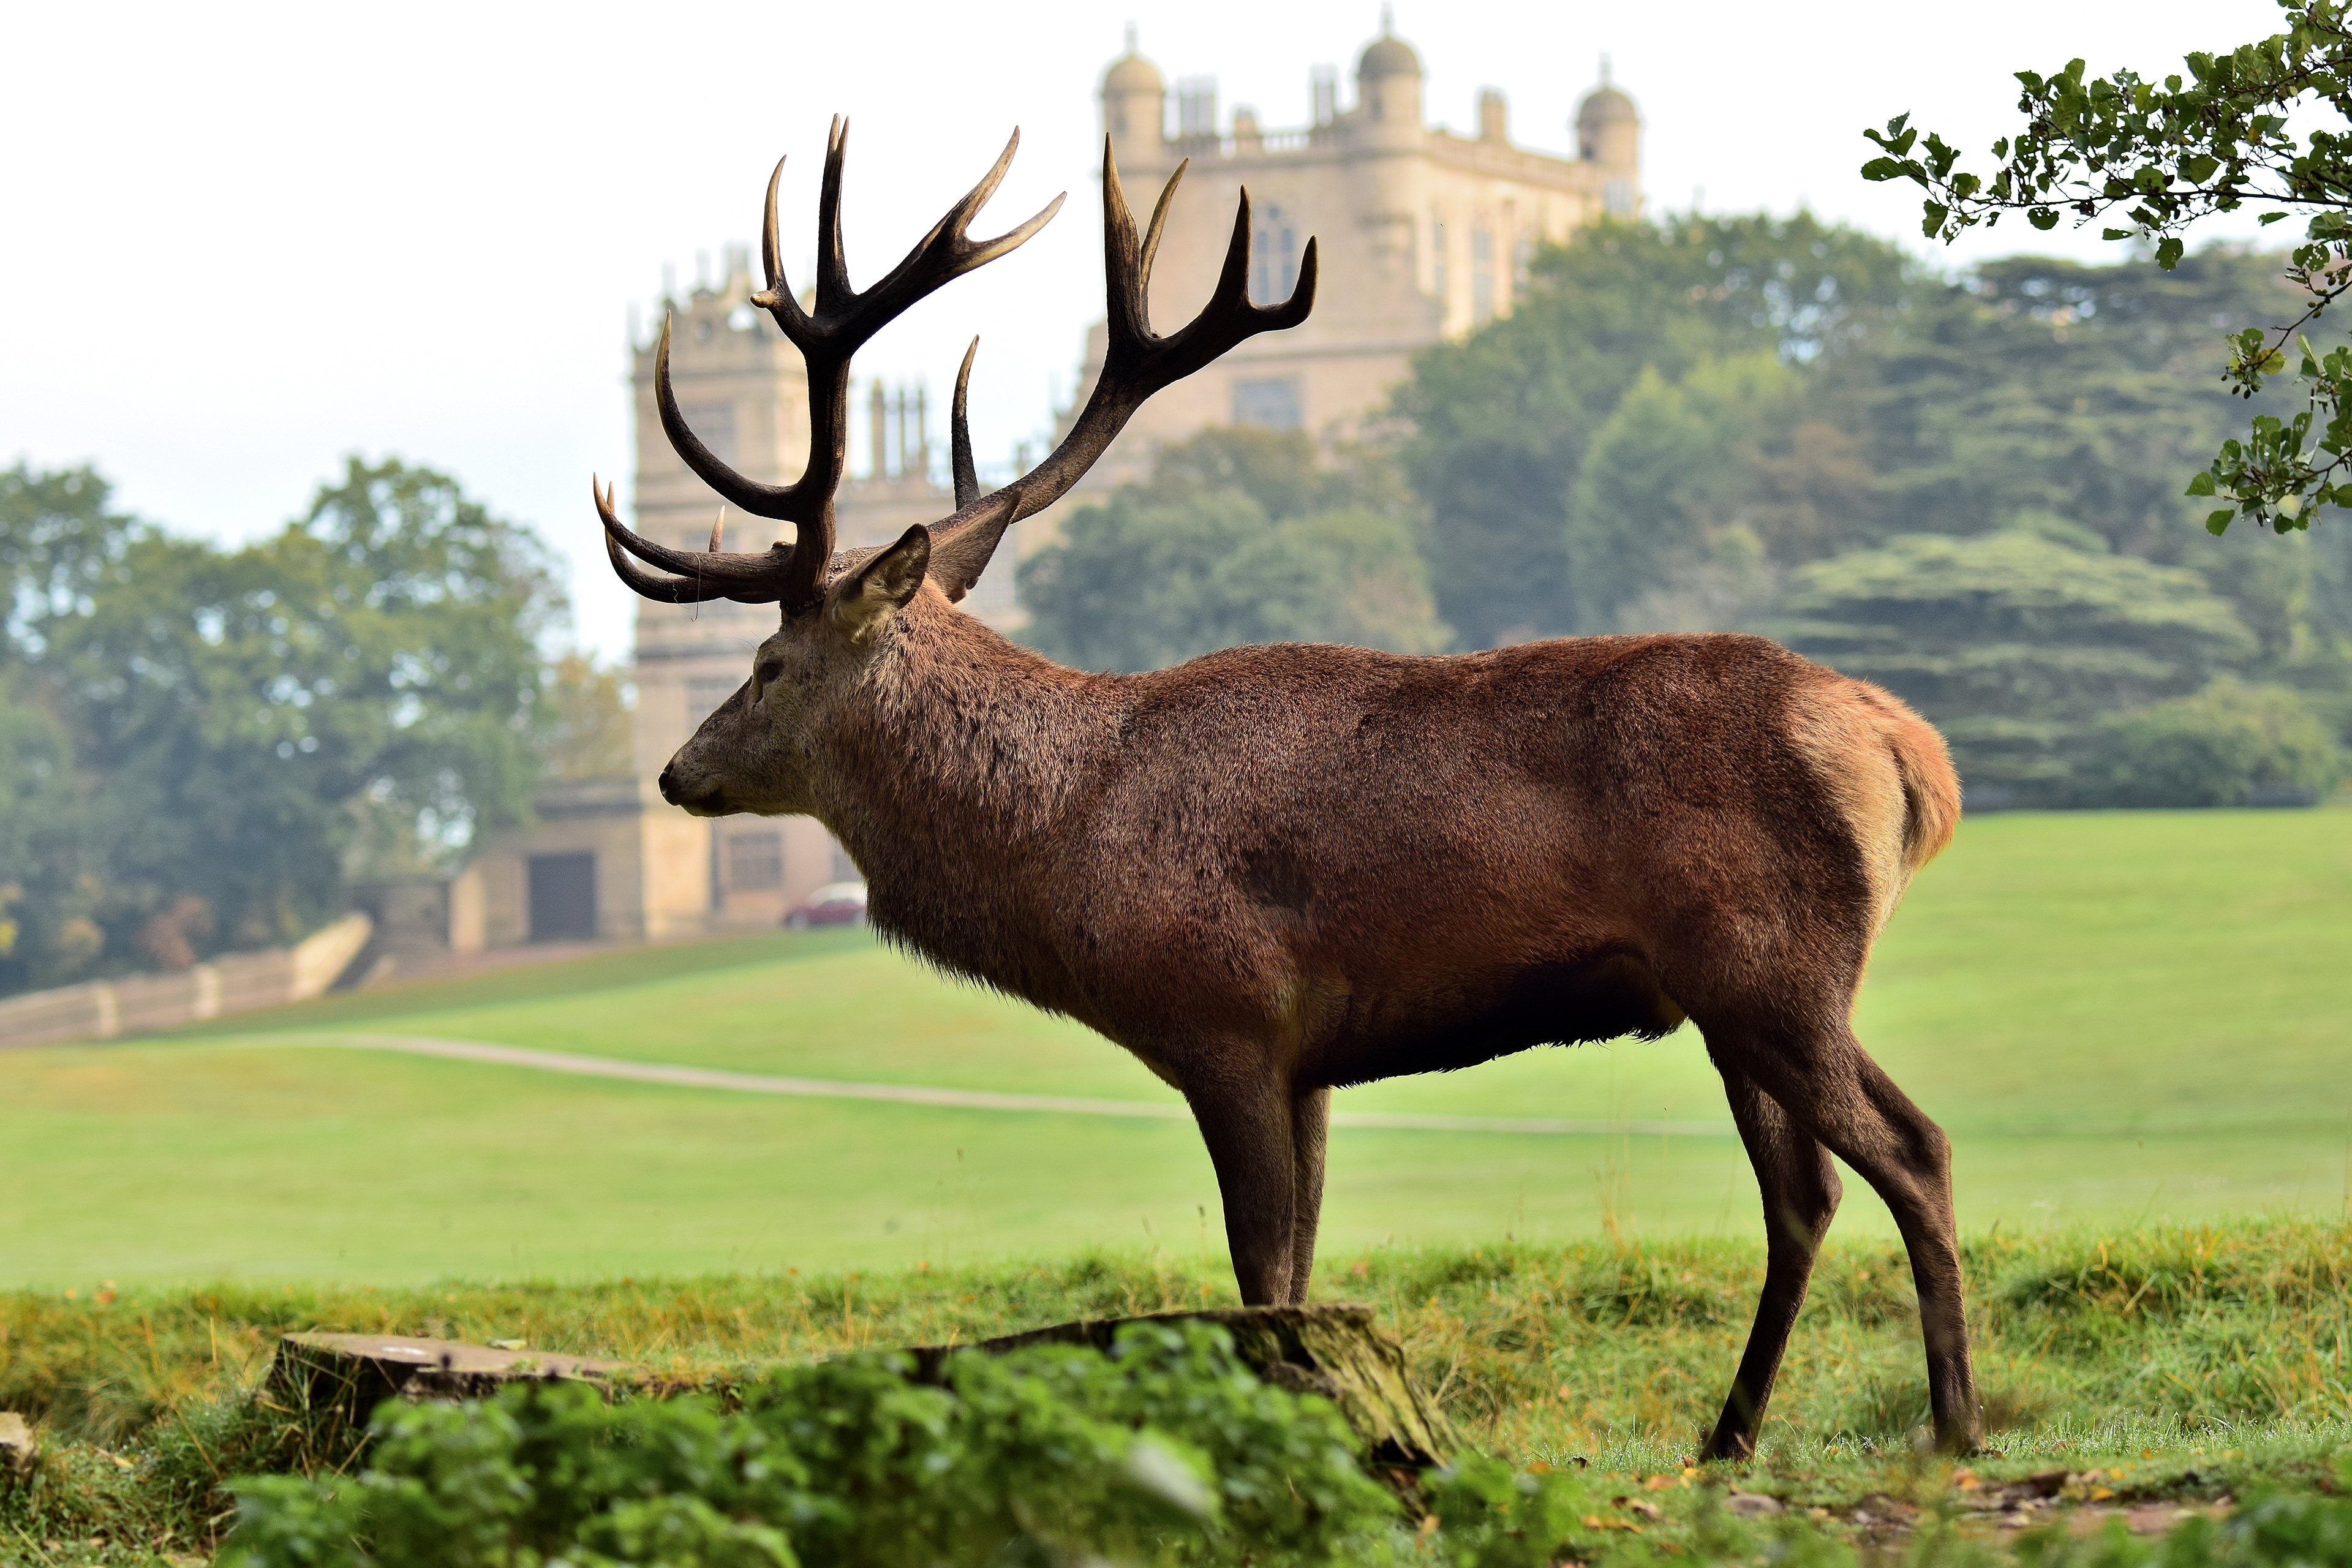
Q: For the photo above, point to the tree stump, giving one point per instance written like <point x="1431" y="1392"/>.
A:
<point x="332" y="1384"/>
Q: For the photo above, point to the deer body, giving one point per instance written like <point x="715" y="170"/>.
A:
<point x="1274" y="871"/>
<point x="1364" y="864"/>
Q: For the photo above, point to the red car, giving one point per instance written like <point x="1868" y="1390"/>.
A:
<point x="835" y="904"/>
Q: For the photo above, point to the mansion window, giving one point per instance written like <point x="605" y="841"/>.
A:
<point x="1273" y="403"/>
<point x="1482" y="274"/>
<point x="1273" y="258"/>
<point x="715" y="423"/>
<point x="755" y="861"/>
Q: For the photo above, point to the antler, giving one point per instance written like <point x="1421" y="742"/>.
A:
<point x="1136" y="363"/>
<point x="827" y="336"/>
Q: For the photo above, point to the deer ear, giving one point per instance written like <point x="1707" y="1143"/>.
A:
<point x="881" y="583"/>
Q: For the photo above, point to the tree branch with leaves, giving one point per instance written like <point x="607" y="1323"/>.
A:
<point x="2154" y="159"/>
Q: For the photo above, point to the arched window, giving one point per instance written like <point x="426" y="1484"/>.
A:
<point x="1273" y="258"/>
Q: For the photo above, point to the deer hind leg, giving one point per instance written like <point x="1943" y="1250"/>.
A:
<point x="1801" y="1190"/>
<point x="1248" y="1128"/>
<point x="1310" y="1122"/>
<point x="1831" y="1089"/>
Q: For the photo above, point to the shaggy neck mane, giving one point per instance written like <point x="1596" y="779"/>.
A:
<point x="955" y="776"/>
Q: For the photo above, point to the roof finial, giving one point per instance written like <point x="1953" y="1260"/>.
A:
<point x="1131" y="37"/>
<point x="1388" y="21"/>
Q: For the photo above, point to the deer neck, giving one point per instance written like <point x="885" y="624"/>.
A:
<point x="953" y="779"/>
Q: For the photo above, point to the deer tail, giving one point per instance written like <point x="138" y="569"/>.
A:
<point x="1931" y="791"/>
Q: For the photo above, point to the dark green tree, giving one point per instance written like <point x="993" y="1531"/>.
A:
<point x="2260" y="128"/>
<point x="2016" y="643"/>
<point x="2229" y="744"/>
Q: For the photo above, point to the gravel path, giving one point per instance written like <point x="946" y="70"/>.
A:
<point x="957" y="1098"/>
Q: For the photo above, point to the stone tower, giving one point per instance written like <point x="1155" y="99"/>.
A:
<point x="1425" y="234"/>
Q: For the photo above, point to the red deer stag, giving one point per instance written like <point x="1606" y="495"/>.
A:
<point x="1275" y="870"/>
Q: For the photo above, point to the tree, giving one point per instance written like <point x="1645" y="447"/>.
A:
<point x="1500" y="422"/>
<point x="2014" y="643"/>
<point x="2229" y="744"/>
<point x="247" y="729"/>
<point x="2159" y="158"/>
<point x="2051" y="386"/>
<point x="585" y="731"/>
<point x="47" y="895"/>
<point x="1662" y="532"/>
<point x="1240" y="537"/>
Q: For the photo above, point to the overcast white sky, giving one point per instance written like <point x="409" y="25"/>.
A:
<point x="239" y="241"/>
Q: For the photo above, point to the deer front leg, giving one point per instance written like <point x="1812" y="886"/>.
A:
<point x="1310" y="1122"/>
<point x="1247" y="1127"/>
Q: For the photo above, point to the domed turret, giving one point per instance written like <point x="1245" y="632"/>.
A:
<point x="1386" y="56"/>
<point x="1388" y="79"/>
<point x="1608" y="128"/>
<point x="1135" y="106"/>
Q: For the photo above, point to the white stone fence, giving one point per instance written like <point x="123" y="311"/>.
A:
<point x="146" y="1003"/>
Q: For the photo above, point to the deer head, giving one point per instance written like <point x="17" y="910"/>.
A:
<point x="840" y="609"/>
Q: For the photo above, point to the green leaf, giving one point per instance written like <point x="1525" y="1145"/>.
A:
<point x="2199" y="169"/>
<point x="2041" y="217"/>
<point x="1882" y="168"/>
<point x="2115" y="233"/>
<point x="1932" y="223"/>
<point x="2218" y="523"/>
<point x="2167" y="252"/>
<point x="2202" y="485"/>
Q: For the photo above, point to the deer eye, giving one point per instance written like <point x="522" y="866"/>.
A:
<point x="764" y="671"/>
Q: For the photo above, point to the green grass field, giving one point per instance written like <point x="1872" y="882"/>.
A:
<point x="2120" y="1018"/>
<point x="2157" y="1367"/>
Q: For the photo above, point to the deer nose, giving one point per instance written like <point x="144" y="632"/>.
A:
<point x="668" y="783"/>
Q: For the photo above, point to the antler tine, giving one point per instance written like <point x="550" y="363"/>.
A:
<point x="967" y="481"/>
<point x="777" y="298"/>
<point x="1158" y="219"/>
<point x="832" y="290"/>
<point x="748" y="579"/>
<point x="772" y="251"/>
